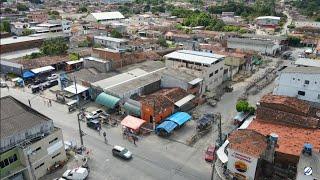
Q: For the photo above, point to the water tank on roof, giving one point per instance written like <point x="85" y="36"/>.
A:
<point x="274" y="137"/>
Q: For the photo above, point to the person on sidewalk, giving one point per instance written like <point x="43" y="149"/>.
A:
<point x="105" y="137"/>
<point x="29" y="102"/>
<point x="50" y="103"/>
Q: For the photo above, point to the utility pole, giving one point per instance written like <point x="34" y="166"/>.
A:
<point x="216" y="116"/>
<point x="29" y="152"/>
<point x="81" y="113"/>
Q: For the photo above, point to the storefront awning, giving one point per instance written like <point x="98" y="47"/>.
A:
<point x="168" y="126"/>
<point x="180" y="118"/>
<point x="42" y="69"/>
<point x="72" y="89"/>
<point x="132" y="122"/>
<point x="27" y="74"/>
<point x="107" y="100"/>
<point x="130" y="108"/>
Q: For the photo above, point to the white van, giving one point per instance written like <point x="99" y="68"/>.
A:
<point x="76" y="174"/>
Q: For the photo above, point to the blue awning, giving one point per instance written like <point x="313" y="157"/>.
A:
<point x="27" y="74"/>
<point x="168" y="126"/>
<point x="180" y="118"/>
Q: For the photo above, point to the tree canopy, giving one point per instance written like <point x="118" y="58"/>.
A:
<point x="22" y="7"/>
<point x="56" y="46"/>
<point x="116" y="34"/>
<point x="5" y="26"/>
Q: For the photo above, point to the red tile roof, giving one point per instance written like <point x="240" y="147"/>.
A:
<point x="291" y="139"/>
<point x="294" y="104"/>
<point x="248" y="142"/>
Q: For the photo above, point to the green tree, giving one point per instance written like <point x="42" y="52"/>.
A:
<point x="242" y="106"/>
<point x="5" y="26"/>
<point x="83" y="9"/>
<point x="8" y="10"/>
<point x="26" y="32"/>
<point x="56" y="46"/>
<point x="251" y="110"/>
<point x="162" y="42"/>
<point x="116" y="34"/>
<point x="22" y="7"/>
<point x="74" y="56"/>
<point x="294" y="41"/>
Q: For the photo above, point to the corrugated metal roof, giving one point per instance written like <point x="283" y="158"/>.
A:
<point x="168" y="126"/>
<point x="130" y="108"/>
<point x="179" y="117"/>
<point x="184" y="100"/>
<point x="107" y="100"/>
<point x="107" y="38"/>
<point x="42" y="69"/>
<point x="195" y="56"/>
<point x="107" y="15"/>
<point x="307" y="62"/>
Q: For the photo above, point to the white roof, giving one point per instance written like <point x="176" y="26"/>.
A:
<point x="42" y="69"/>
<point x="221" y="154"/>
<point x="107" y="38"/>
<point x="195" y="56"/>
<point x="47" y="25"/>
<point x="118" y="148"/>
<point x="184" y="100"/>
<point x="72" y="89"/>
<point x="115" y="80"/>
<point x="195" y="81"/>
<point x="268" y="17"/>
<point x="74" y="62"/>
<point x="307" y="62"/>
<point x="107" y="15"/>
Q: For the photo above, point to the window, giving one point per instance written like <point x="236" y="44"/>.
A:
<point x="306" y="82"/>
<point x="211" y="74"/>
<point x="301" y="93"/>
<point x="13" y="158"/>
<point x="39" y="166"/>
<point x="56" y="155"/>
<point x="53" y="140"/>
<point x="6" y="162"/>
<point x="36" y="150"/>
<point x="216" y="71"/>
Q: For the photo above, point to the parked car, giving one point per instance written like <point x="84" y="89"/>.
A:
<point x="94" y="124"/>
<point x="93" y="115"/>
<point x="53" y="76"/>
<point x="210" y="154"/>
<point x="3" y="84"/>
<point x="121" y="152"/>
<point x="76" y="174"/>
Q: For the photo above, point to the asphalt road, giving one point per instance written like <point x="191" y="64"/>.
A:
<point x="154" y="158"/>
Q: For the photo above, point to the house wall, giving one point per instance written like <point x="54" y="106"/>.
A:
<point x="147" y="113"/>
<point x="101" y="66"/>
<point x="45" y="153"/>
<point x="20" y="46"/>
<point x="289" y="84"/>
<point x="7" y="158"/>
<point x="110" y="44"/>
<point x="212" y="75"/>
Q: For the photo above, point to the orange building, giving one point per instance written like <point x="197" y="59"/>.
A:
<point x="156" y="107"/>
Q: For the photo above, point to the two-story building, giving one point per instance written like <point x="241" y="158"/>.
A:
<point x="30" y="143"/>
<point x="207" y="66"/>
<point x="300" y="82"/>
<point x="110" y="42"/>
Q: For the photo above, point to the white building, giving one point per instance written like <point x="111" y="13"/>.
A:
<point x="268" y="21"/>
<point x="104" y="17"/>
<point x="300" y="82"/>
<point x="110" y="42"/>
<point x="207" y="66"/>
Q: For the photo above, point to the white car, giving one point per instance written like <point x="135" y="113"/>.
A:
<point x="93" y="115"/>
<point x="76" y="174"/>
<point x="121" y="152"/>
<point x="53" y="76"/>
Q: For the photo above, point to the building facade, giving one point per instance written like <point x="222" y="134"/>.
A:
<point x="300" y="82"/>
<point x="110" y="42"/>
<point x="30" y="144"/>
<point x="207" y="66"/>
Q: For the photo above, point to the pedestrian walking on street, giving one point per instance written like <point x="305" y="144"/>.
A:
<point x="29" y="102"/>
<point x="44" y="101"/>
<point x="134" y="140"/>
<point x="50" y="102"/>
<point x="99" y="130"/>
<point x="105" y="137"/>
<point x="8" y="87"/>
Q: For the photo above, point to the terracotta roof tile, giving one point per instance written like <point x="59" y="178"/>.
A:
<point x="291" y="139"/>
<point x="248" y="141"/>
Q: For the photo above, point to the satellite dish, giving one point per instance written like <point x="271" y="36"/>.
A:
<point x="307" y="171"/>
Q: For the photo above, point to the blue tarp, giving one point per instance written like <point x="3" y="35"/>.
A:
<point x="27" y="74"/>
<point x="168" y="126"/>
<point x="180" y="118"/>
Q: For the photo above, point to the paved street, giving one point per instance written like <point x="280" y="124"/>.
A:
<point x="154" y="157"/>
